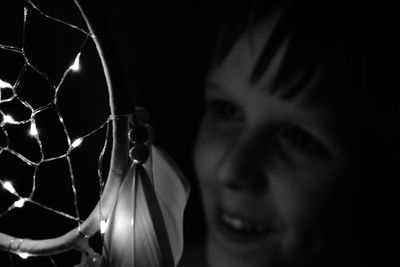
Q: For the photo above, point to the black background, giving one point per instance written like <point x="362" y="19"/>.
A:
<point x="161" y="49"/>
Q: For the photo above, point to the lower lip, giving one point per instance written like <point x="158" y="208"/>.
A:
<point x="238" y="236"/>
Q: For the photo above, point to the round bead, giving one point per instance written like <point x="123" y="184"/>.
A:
<point x="138" y="134"/>
<point x="139" y="153"/>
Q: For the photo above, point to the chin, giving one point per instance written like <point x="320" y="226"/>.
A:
<point x="240" y="255"/>
<point x="270" y="250"/>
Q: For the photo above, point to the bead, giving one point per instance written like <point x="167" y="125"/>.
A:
<point x="138" y="134"/>
<point x="139" y="153"/>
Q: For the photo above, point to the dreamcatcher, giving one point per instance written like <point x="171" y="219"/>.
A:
<point x="140" y="211"/>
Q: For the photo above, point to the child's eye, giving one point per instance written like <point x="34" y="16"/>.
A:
<point x="303" y="141"/>
<point x="223" y="110"/>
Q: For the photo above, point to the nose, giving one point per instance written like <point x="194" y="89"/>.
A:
<point x="243" y="165"/>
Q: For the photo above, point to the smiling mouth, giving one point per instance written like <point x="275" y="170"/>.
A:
<point x="240" y="229"/>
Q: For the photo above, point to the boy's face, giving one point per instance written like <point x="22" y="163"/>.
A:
<point x="269" y="169"/>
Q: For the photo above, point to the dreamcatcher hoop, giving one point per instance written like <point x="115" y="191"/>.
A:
<point x="120" y="167"/>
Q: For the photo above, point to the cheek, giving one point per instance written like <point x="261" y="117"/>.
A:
<point x="303" y="196"/>
<point x="207" y="154"/>
<point x="304" y="189"/>
<point x="295" y="198"/>
<point x="209" y="151"/>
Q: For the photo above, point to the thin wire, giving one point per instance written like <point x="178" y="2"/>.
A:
<point x="100" y="172"/>
<point x="10" y="257"/>
<point x="58" y="20"/>
<point x="52" y="261"/>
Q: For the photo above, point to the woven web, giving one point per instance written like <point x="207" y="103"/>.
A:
<point x="41" y="81"/>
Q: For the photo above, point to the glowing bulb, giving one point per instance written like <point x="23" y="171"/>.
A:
<point x="8" y="119"/>
<point x="132" y="222"/>
<point x="103" y="226"/>
<point x="76" y="143"/>
<point x="23" y="255"/>
<point x="75" y="66"/>
<point x="9" y="187"/>
<point x="33" y="131"/>
<point x="19" y="203"/>
<point x="4" y="84"/>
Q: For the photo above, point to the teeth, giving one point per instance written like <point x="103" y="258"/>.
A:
<point x="234" y="222"/>
<point x="240" y="224"/>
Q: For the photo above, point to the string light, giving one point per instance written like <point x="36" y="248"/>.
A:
<point x="9" y="119"/>
<point x="76" y="143"/>
<point x="19" y="203"/>
<point x="4" y="85"/>
<point x="23" y="255"/>
<point x="33" y="131"/>
<point x="9" y="187"/>
<point x="76" y="65"/>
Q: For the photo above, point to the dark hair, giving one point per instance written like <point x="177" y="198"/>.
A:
<point x="331" y="44"/>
